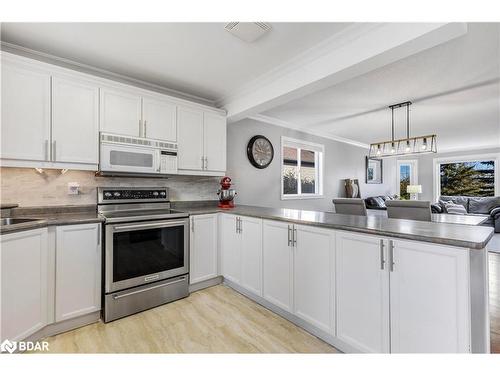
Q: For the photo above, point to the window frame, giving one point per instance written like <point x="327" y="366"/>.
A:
<point x="319" y="150"/>
<point x="436" y="178"/>
<point x="413" y="163"/>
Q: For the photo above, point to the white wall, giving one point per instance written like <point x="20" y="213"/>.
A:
<point x="261" y="187"/>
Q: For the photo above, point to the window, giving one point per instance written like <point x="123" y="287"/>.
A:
<point x="474" y="176"/>
<point x="407" y="175"/>
<point x="301" y="169"/>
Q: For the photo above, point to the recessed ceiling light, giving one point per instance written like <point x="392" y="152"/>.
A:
<point x="248" y="31"/>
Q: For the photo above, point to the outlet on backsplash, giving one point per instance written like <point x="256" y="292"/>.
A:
<point x="73" y="188"/>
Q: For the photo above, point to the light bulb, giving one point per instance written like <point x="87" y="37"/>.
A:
<point x="378" y="150"/>
<point x="407" y="149"/>
<point x="393" y="150"/>
<point x="424" y="144"/>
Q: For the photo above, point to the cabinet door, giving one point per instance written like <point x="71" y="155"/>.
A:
<point x="23" y="261"/>
<point x="314" y="254"/>
<point x="429" y="299"/>
<point x="215" y="142"/>
<point x="160" y="119"/>
<point x="75" y="120"/>
<point x="277" y="264"/>
<point x="190" y="138"/>
<point x="25" y="111"/>
<point x="78" y="270"/>
<point x="203" y="248"/>
<point x="251" y="254"/>
<point x="362" y="292"/>
<point x="121" y="112"/>
<point x="230" y="248"/>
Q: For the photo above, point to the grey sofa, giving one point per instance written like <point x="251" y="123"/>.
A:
<point x="474" y="206"/>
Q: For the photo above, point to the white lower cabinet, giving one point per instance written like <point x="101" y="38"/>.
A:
<point x="230" y="248"/>
<point x="24" y="302"/>
<point x="203" y="248"/>
<point x="251" y="254"/>
<point x="278" y="264"/>
<point x="429" y="288"/>
<point x="241" y="250"/>
<point x="78" y="270"/>
<point x="313" y="276"/>
<point x="362" y="298"/>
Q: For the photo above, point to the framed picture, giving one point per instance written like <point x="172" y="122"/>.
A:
<point x="373" y="171"/>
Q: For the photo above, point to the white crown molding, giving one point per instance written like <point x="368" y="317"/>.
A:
<point x="354" y="51"/>
<point x="328" y="45"/>
<point x="84" y="68"/>
<point x="449" y="150"/>
<point x="288" y="125"/>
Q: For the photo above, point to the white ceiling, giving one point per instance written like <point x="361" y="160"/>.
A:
<point x="454" y="86"/>
<point x="201" y="59"/>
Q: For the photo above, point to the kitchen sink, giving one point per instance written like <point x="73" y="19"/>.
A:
<point x="12" y="221"/>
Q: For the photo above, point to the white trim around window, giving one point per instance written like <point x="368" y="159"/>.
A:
<point x="436" y="180"/>
<point x="319" y="150"/>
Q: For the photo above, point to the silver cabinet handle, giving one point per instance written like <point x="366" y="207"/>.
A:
<point x="206" y="163"/>
<point x="141" y="131"/>
<point x="145" y="128"/>
<point x="241" y="225"/>
<point x="47" y="156"/>
<point x="294" y="237"/>
<point x="118" y="296"/>
<point x="53" y="150"/>
<point x="391" y="255"/>
<point x="289" y="236"/>
<point x="382" y="260"/>
<point x="192" y="224"/>
<point x="236" y="223"/>
<point x="99" y="234"/>
<point x="202" y="163"/>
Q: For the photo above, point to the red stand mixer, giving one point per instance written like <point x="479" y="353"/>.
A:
<point x="226" y="195"/>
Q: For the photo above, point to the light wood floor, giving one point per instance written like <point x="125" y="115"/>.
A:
<point x="494" y="272"/>
<point x="213" y="320"/>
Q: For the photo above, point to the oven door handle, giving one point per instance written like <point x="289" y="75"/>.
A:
<point x="157" y="224"/>
<point x="118" y="296"/>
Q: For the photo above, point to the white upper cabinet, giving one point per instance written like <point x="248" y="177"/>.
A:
<point x="190" y="138"/>
<point x="203" y="248"/>
<point x="313" y="271"/>
<point x="24" y="283"/>
<point x="214" y="131"/>
<point x="78" y="270"/>
<point x="202" y="141"/>
<point x="75" y="120"/>
<point x="362" y="292"/>
<point x="278" y="264"/>
<point x="160" y="119"/>
<point x="121" y="111"/>
<point x="429" y="299"/>
<point x="25" y="111"/>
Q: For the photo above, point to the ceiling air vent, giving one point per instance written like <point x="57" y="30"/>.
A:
<point x="248" y="31"/>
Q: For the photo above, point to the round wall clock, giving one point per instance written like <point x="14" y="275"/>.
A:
<point x="260" y="151"/>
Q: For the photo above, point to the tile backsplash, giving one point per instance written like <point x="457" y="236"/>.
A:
<point x="27" y="187"/>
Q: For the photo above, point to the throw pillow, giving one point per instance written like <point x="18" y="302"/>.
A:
<point x="453" y="208"/>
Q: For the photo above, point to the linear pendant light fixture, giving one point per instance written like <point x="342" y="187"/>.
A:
<point x="404" y="146"/>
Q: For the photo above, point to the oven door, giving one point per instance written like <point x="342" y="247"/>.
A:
<point x="128" y="159"/>
<point x="143" y="252"/>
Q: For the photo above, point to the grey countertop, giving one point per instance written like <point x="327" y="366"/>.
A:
<point x="469" y="236"/>
<point x="64" y="215"/>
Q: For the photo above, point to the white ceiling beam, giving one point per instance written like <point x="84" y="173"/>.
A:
<point x="358" y="49"/>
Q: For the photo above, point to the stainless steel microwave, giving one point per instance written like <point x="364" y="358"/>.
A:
<point x="121" y="155"/>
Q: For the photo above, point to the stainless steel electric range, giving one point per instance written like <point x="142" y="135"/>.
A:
<point x="145" y="250"/>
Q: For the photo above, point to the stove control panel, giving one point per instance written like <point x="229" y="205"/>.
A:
<point x="136" y="194"/>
